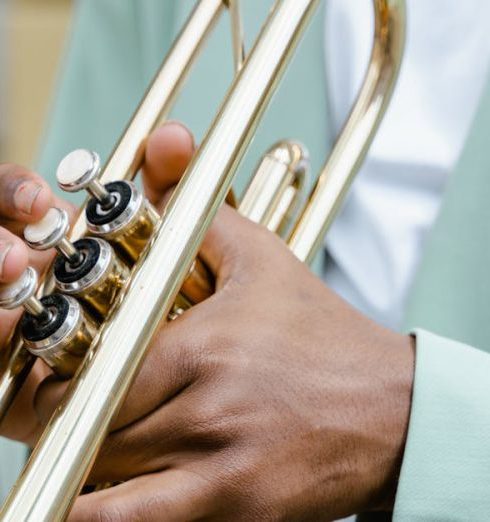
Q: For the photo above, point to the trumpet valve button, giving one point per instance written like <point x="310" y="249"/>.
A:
<point x="49" y="231"/>
<point x="16" y="294"/>
<point x="63" y="341"/>
<point x="77" y="170"/>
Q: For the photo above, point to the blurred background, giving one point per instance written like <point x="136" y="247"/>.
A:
<point x="31" y="46"/>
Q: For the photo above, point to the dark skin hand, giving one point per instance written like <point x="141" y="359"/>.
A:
<point x="25" y="198"/>
<point x="272" y="400"/>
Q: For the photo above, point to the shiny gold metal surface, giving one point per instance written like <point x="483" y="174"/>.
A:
<point x="100" y="296"/>
<point x="126" y="158"/>
<point x="166" y="254"/>
<point x="65" y="356"/>
<point x="236" y="34"/>
<point x="58" y="466"/>
<point x="275" y="190"/>
<point x="130" y="240"/>
<point x="270" y="199"/>
<point x="199" y="284"/>
<point x="355" y="138"/>
<point x="15" y="365"/>
<point x="179" y="307"/>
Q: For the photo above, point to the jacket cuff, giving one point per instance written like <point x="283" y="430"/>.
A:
<point x="445" y="473"/>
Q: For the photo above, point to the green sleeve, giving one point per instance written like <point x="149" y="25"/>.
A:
<point x="446" y="466"/>
<point x="113" y="51"/>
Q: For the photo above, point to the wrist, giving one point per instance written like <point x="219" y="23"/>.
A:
<point x="394" y="410"/>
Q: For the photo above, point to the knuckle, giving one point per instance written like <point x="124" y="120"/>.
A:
<point x="11" y="176"/>
<point x="212" y="423"/>
<point x="114" y="446"/>
<point x="108" y="513"/>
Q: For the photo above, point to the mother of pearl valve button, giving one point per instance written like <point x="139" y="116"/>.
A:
<point x="47" y="232"/>
<point x="21" y="293"/>
<point x="14" y="294"/>
<point x="77" y="169"/>
<point x="80" y="170"/>
<point x="50" y="232"/>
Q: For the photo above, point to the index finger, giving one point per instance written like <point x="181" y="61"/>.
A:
<point x="24" y="195"/>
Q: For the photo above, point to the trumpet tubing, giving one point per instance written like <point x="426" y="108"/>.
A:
<point x="123" y="271"/>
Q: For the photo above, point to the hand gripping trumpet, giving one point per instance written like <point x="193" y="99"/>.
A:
<point x="123" y="271"/>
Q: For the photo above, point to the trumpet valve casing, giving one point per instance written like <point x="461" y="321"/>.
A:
<point x="97" y="280"/>
<point x="63" y="341"/>
<point x="128" y="224"/>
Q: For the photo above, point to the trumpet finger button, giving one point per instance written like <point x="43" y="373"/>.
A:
<point x="51" y="232"/>
<point x="19" y="292"/>
<point x="48" y="232"/>
<point x="80" y="170"/>
<point x="77" y="169"/>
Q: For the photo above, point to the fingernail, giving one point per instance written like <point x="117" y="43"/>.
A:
<point x="25" y="195"/>
<point x="184" y="128"/>
<point x="5" y="247"/>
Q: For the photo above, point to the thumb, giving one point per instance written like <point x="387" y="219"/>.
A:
<point x="235" y="247"/>
<point x="167" y="154"/>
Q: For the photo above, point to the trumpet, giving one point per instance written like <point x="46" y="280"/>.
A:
<point x="123" y="271"/>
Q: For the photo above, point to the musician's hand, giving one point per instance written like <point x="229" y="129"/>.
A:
<point x="25" y="198"/>
<point x="272" y="400"/>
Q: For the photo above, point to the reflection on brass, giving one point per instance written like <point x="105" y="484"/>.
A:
<point x="59" y="464"/>
<point x="275" y="191"/>
<point x="98" y="286"/>
<point x="67" y="357"/>
<point x="179" y="307"/>
<point x="199" y="284"/>
<point x="236" y="34"/>
<point x="126" y="159"/>
<point x="15" y="364"/>
<point x="63" y="341"/>
<point x="66" y="363"/>
<point x="101" y="296"/>
<point x="132" y="239"/>
<point x="352" y="145"/>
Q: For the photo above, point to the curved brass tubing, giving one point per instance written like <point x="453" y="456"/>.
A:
<point x="359" y="130"/>
<point x="126" y="157"/>
<point x="59" y="464"/>
<point x="61" y="461"/>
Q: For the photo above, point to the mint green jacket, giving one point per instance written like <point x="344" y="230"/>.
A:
<point x="115" y="48"/>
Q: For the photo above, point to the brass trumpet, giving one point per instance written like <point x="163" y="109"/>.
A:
<point x="146" y="269"/>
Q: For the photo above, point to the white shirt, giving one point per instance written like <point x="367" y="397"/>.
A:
<point x="377" y="239"/>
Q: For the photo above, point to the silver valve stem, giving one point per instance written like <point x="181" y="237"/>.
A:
<point x="51" y="232"/>
<point x="22" y="293"/>
<point x="79" y="170"/>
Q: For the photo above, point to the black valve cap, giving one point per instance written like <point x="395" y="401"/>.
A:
<point x="34" y="330"/>
<point x="97" y="215"/>
<point x="66" y="273"/>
